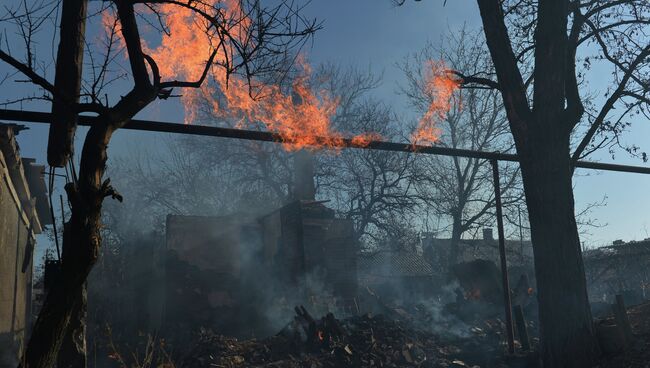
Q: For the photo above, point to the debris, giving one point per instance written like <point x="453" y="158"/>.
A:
<point x="358" y="341"/>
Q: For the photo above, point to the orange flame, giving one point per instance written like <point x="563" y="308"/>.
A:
<point x="302" y="118"/>
<point x="364" y="139"/>
<point x="440" y="85"/>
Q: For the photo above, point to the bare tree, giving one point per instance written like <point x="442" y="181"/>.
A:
<point x="375" y="189"/>
<point x="459" y="188"/>
<point x="534" y="46"/>
<point x="203" y="176"/>
<point x="250" y="39"/>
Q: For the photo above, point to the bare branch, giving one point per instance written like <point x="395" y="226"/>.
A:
<point x="469" y="80"/>
<point x="27" y="71"/>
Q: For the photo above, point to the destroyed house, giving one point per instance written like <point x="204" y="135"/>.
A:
<point x="24" y="211"/>
<point x="202" y="271"/>
<point x="304" y="239"/>
<point x="220" y="269"/>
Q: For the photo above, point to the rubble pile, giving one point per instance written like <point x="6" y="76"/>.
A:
<point x="358" y="341"/>
<point x="637" y="353"/>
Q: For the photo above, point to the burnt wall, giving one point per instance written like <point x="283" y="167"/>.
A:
<point x="15" y="285"/>
<point x="202" y="272"/>
<point x="329" y="245"/>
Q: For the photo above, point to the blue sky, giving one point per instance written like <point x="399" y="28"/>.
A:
<point x="377" y="34"/>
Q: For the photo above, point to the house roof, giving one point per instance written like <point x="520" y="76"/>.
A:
<point x="394" y="264"/>
<point x="639" y="249"/>
<point x="483" y="248"/>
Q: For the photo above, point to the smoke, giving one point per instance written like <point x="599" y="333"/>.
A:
<point x="402" y="285"/>
<point x="439" y="318"/>
<point x="271" y="295"/>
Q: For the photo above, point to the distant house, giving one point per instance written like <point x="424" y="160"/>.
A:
<point x="518" y="252"/>
<point x="620" y="268"/>
<point x="24" y="212"/>
<point x="399" y="274"/>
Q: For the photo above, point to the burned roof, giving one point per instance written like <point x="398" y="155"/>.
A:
<point x="394" y="264"/>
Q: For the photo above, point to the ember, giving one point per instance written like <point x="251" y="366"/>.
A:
<point x="474" y="294"/>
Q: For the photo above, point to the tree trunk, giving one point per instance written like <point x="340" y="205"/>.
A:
<point x="53" y="321"/>
<point x="81" y="241"/>
<point x="82" y="236"/>
<point x="67" y="81"/>
<point x="73" y="352"/>
<point x="564" y="313"/>
<point x="542" y="139"/>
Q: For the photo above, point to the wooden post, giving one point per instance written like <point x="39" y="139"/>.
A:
<point x="522" y="329"/>
<point x="620" y="314"/>
<point x="502" y="253"/>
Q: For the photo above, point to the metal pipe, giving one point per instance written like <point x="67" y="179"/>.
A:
<point x="502" y="255"/>
<point x="203" y="130"/>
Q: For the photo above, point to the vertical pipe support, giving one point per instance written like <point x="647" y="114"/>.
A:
<point x="502" y="255"/>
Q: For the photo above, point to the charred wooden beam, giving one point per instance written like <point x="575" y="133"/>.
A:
<point x="522" y="329"/>
<point x="203" y="130"/>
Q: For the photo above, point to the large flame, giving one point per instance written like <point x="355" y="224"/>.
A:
<point x="301" y="117"/>
<point x="440" y="85"/>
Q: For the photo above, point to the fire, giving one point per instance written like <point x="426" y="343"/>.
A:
<point x="302" y="118"/>
<point x="300" y="115"/>
<point x="364" y="139"/>
<point x="441" y="86"/>
<point x="321" y="336"/>
<point x="185" y="49"/>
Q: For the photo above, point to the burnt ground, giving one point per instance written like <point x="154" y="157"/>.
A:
<point x="379" y="341"/>
<point x="385" y="341"/>
<point x="359" y="341"/>
<point x="638" y="354"/>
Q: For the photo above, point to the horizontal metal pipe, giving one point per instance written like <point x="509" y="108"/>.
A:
<point x="203" y="130"/>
